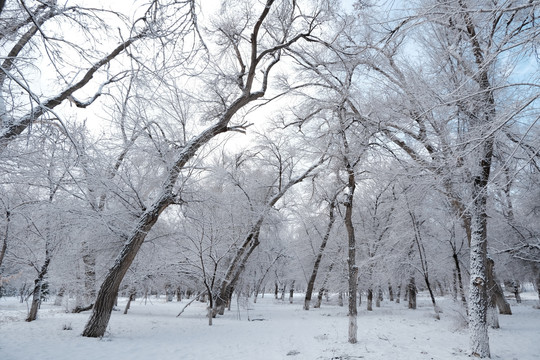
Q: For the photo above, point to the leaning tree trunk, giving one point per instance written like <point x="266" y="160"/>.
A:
<point x="38" y="286"/>
<point x="323" y="286"/>
<point x="237" y="265"/>
<point x="495" y="292"/>
<point x="313" y="277"/>
<point x="101" y="312"/>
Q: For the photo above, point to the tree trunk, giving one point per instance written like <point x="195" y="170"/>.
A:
<point x="432" y="296"/>
<point x="411" y="291"/>
<point x="390" y="292"/>
<point x="131" y="298"/>
<point x="460" y="282"/>
<point x="291" y="293"/>
<point x="313" y="277"/>
<point x="478" y="303"/>
<point x="495" y="292"/>
<point x="379" y="298"/>
<point x="103" y="306"/>
<point x="369" y="300"/>
<point x="398" y="294"/>
<point x="38" y="287"/>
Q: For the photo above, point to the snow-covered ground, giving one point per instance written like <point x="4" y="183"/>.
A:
<point x="269" y="329"/>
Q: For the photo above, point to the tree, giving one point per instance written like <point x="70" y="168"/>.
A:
<point x="263" y="48"/>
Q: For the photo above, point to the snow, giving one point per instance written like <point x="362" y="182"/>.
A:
<point x="270" y="329"/>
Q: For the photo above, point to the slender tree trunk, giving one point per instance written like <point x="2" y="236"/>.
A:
<point x="323" y="286"/>
<point x="369" y="300"/>
<point x="291" y="292"/>
<point x="460" y="282"/>
<point x="398" y="294"/>
<point x="132" y="294"/>
<point x="411" y="291"/>
<point x="390" y="292"/>
<point x="379" y="298"/>
<point x="313" y="277"/>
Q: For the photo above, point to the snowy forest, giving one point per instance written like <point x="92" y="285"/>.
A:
<point x="298" y="154"/>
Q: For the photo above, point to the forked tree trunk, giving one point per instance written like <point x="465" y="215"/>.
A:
<point x="313" y="277"/>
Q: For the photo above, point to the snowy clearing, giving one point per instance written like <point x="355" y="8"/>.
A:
<point x="269" y="329"/>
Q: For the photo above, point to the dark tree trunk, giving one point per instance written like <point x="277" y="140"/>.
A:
<point x="103" y="306"/>
<point x="313" y="277"/>
<point x="369" y="300"/>
<point x="131" y="298"/>
<point x="38" y="287"/>
<point x="398" y="294"/>
<point x="460" y="282"/>
<point x="291" y="293"/>
<point x="379" y="298"/>
<point x="390" y="292"/>
<point x="411" y="291"/>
